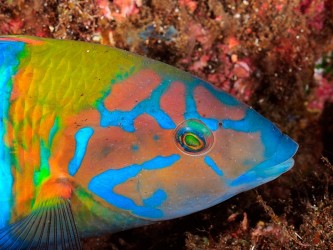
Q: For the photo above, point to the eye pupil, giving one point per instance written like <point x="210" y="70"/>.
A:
<point x="193" y="141"/>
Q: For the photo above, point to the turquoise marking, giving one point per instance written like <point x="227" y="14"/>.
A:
<point x="156" y="199"/>
<point x="211" y="163"/>
<point x="191" y="107"/>
<point x="135" y="147"/>
<point x="10" y="53"/>
<point x="82" y="138"/>
<point x="54" y="130"/>
<point x="103" y="186"/>
<point x="121" y="76"/>
<point x="261" y="173"/>
<point x="156" y="137"/>
<point x="150" y="106"/>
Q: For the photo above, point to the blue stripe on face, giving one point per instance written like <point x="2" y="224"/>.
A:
<point x="211" y="163"/>
<point x="150" y="106"/>
<point x="9" y="54"/>
<point x="103" y="186"/>
<point x="156" y="199"/>
<point x="82" y="138"/>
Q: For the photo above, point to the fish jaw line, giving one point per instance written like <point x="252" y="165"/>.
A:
<point x="280" y="162"/>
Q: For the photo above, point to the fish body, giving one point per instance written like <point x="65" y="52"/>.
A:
<point x="118" y="141"/>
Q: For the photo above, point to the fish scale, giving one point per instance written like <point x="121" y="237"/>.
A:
<point x="98" y="140"/>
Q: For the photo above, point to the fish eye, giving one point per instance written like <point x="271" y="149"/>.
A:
<point x="194" y="137"/>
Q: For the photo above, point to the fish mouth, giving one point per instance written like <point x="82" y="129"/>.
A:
<point x="280" y="162"/>
<point x="279" y="169"/>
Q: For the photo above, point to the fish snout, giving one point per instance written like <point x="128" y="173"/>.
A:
<point x="282" y="159"/>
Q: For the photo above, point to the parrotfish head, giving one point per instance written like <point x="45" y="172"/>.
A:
<point x="129" y="140"/>
<point x="181" y="147"/>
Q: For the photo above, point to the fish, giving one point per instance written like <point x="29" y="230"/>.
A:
<point x="97" y="140"/>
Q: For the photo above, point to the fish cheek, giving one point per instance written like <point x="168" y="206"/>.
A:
<point x="107" y="149"/>
<point x="187" y="183"/>
<point x="114" y="148"/>
<point x="236" y="152"/>
<point x="129" y="189"/>
<point x="152" y="140"/>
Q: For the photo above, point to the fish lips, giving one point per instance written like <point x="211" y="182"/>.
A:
<point x="280" y="162"/>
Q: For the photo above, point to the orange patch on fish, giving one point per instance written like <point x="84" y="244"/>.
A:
<point x="126" y="94"/>
<point x="176" y="95"/>
<point x="209" y="106"/>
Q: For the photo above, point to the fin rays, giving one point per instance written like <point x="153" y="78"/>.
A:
<point x="50" y="226"/>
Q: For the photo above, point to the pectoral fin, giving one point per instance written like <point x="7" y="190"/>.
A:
<point x="50" y="226"/>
